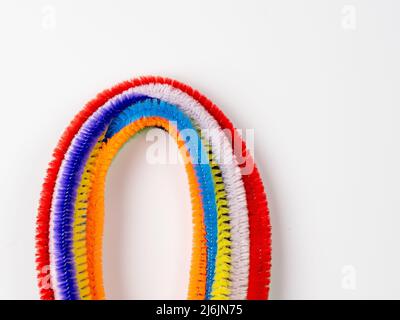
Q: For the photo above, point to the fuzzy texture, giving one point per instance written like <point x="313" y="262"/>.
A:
<point x="259" y="220"/>
<point x="79" y="231"/>
<point x="221" y="288"/>
<point x="157" y="108"/>
<point x="232" y="178"/>
<point x="199" y="248"/>
<point x="221" y="283"/>
<point x="260" y="233"/>
<point x="61" y="232"/>
<point x="81" y="136"/>
<point x="236" y="194"/>
<point x="197" y="286"/>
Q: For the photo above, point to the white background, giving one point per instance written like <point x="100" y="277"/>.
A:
<point x="317" y="80"/>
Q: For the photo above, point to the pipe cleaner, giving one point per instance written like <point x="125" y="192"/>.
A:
<point x="231" y="251"/>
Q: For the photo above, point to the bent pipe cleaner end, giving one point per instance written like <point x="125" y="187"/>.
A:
<point x="231" y="246"/>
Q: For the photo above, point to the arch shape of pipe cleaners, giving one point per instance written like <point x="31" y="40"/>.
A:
<point x="231" y="250"/>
